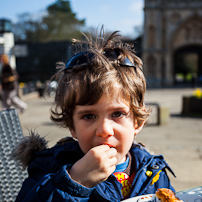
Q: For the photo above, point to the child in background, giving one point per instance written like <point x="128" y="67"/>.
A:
<point x="100" y="99"/>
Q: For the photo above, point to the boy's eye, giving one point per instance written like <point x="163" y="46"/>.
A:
<point x="117" y="114"/>
<point x="88" y="116"/>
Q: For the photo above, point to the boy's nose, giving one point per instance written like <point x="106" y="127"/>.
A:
<point x="105" y="128"/>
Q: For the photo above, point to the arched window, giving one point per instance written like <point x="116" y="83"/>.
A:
<point x="151" y="65"/>
<point x="151" y="36"/>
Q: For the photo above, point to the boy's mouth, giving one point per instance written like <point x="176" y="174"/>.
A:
<point x="111" y="146"/>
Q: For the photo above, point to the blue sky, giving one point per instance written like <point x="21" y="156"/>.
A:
<point x="122" y="15"/>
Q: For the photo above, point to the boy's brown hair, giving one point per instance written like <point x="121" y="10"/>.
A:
<point x="109" y="66"/>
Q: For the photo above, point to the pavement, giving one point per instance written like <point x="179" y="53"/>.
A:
<point x="179" y="141"/>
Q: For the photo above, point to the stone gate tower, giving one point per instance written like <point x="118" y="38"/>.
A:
<point x="170" y="26"/>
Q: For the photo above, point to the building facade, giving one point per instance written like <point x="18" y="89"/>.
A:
<point x="171" y="27"/>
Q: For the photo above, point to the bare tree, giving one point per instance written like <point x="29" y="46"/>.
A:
<point x="57" y="24"/>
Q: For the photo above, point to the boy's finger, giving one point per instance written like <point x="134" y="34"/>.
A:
<point x="113" y="161"/>
<point x="103" y="147"/>
<point x="112" y="152"/>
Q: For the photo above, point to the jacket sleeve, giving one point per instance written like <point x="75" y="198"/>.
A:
<point x="54" y="187"/>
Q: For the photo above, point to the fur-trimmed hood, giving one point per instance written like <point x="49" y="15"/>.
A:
<point x="25" y="149"/>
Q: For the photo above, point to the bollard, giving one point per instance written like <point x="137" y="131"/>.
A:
<point x="163" y="114"/>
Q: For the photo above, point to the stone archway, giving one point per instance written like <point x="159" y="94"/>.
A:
<point x="188" y="62"/>
<point x="189" y="32"/>
<point x="169" y="27"/>
<point x="186" y="49"/>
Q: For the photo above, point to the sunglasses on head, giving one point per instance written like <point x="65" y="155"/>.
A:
<point x="86" y="57"/>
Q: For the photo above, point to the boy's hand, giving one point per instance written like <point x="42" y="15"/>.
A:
<point x="95" y="167"/>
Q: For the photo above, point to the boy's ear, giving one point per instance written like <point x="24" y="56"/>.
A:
<point x="138" y="128"/>
<point x="73" y="133"/>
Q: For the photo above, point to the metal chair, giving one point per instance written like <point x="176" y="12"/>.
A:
<point x="11" y="174"/>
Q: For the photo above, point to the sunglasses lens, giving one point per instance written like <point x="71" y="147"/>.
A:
<point x="127" y="62"/>
<point x="111" y="54"/>
<point x="79" y="59"/>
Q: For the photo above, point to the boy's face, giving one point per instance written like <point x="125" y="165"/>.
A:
<point x="110" y="122"/>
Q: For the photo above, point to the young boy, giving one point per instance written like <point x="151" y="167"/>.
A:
<point x="100" y="98"/>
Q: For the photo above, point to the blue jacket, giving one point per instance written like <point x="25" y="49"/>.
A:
<point x="49" y="181"/>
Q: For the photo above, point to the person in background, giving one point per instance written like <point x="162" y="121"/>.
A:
<point x="9" y="79"/>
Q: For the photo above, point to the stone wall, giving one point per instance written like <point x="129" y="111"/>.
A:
<point x="168" y="25"/>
